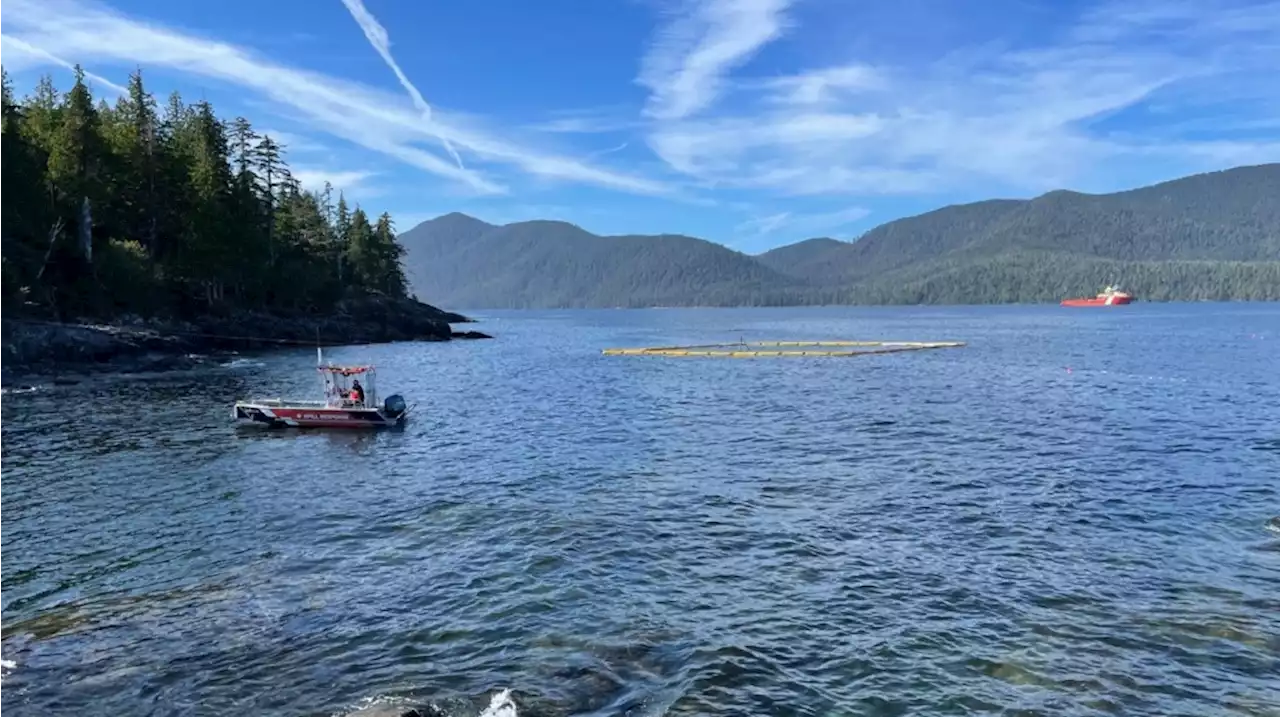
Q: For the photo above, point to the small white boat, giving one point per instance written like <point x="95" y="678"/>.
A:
<point x="342" y="407"/>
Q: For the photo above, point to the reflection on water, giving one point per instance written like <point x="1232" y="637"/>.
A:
<point x="1069" y="516"/>
<point x="351" y="439"/>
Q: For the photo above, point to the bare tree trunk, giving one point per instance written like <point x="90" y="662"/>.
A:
<point x="54" y="232"/>
<point x="85" y="232"/>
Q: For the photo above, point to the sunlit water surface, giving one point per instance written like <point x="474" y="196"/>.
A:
<point x="1065" y="517"/>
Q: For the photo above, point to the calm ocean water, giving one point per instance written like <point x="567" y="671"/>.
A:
<point x="1068" y="516"/>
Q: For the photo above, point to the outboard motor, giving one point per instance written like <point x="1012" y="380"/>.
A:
<point x="394" y="405"/>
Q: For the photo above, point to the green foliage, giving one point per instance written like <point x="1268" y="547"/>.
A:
<point x="131" y="283"/>
<point x="186" y="213"/>
<point x="1210" y="236"/>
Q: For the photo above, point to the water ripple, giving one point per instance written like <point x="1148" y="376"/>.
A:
<point x="980" y="531"/>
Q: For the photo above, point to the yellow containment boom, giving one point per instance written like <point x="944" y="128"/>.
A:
<point x="765" y="349"/>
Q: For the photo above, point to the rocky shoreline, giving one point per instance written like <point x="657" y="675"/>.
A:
<point x="37" y="347"/>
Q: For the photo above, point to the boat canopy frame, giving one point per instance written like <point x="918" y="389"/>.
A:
<point x="337" y="383"/>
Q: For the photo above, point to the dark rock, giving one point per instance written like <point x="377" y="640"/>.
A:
<point x="470" y="335"/>
<point x="132" y="343"/>
<point x="428" y="711"/>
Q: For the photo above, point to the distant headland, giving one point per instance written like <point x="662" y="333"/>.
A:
<point x="1212" y="236"/>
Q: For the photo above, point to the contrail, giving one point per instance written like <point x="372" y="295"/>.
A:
<point x="377" y="36"/>
<point x="611" y="150"/>
<point x="24" y="48"/>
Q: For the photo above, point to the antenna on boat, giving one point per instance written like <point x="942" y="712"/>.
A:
<point x="319" y="354"/>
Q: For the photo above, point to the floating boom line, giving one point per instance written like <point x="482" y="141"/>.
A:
<point x="766" y="349"/>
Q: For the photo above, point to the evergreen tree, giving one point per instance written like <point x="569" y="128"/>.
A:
<point x="360" y="250"/>
<point x="269" y="157"/>
<point x="386" y="268"/>
<point x="342" y="238"/>
<point x="75" y="157"/>
<point x="185" y="213"/>
<point x="29" y="222"/>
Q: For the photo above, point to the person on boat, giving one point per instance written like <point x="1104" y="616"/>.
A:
<point x="357" y="393"/>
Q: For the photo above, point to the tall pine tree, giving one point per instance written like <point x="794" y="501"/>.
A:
<point x="186" y="213"/>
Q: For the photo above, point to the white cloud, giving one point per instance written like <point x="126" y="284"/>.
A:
<point x="763" y="225"/>
<point x="1228" y="153"/>
<point x="684" y="68"/>
<point x="573" y="125"/>
<point x="359" y="114"/>
<point x="586" y="122"/>
<point x="1027" y="119"/>
<point x="351" y="182"/>
<point x="991" y="119"/>
<point x="716" y="146"/>
<point x="825" y="85"/>
<point x="802" y="224"/>
<point x="609" y="150"/>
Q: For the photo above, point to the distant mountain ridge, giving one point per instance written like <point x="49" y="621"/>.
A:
<point x="1210" y="236"/>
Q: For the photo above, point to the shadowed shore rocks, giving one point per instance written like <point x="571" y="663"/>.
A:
<point x="130" y="343"/>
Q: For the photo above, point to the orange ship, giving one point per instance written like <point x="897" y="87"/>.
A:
<point x="1109" y="296"/>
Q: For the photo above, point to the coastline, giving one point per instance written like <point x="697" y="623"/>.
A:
<point x="39" y="347"/>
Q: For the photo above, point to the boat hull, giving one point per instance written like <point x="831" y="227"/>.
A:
<point x="260" y="415"/>
<point x="1108" y="301"/>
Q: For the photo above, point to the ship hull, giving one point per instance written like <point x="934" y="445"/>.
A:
<point x="1108" y="301"/>
<point x="261" y="415"/>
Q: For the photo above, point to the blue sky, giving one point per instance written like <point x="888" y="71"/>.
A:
<point x="753" y="123"/>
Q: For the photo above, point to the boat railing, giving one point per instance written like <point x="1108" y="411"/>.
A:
<point x="292" y="403"/>
<point x="289" y="402"/>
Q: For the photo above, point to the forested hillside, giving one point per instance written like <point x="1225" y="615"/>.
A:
<point x="1209" y="236"/>
<point x="548" y="263"/>
<point x="1039" y="277"/>
<point x="805" y="259"/>
<point x="1223" y="216"/>
<point x="131" y="208"/>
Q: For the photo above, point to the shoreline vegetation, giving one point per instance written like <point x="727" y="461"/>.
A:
<point x="135" y="236"/>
